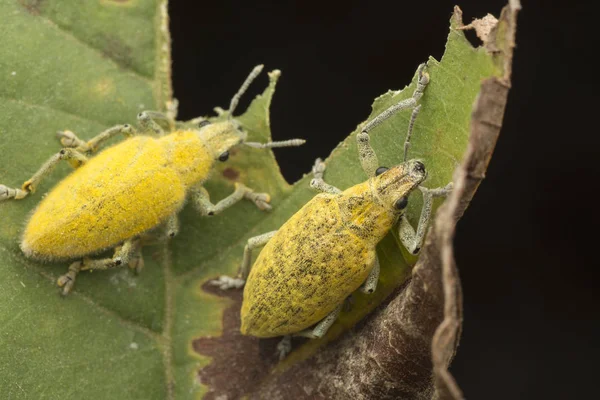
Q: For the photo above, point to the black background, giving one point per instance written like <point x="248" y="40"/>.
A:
<point x="525" y="246"/>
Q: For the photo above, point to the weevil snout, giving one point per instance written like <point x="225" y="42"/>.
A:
<point x="395" y="184"/>
<point x="222" y="136"/>
<point x="416" y="171"/>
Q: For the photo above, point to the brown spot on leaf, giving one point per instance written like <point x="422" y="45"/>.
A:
<point x="239" y="362"/>
<point x="231" y="173"/>
<point x="32" y="6"/>
<point x="116" y="50"/>
<point x="403" y="349"/>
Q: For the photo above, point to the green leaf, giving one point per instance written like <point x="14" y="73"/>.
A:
<point x="164" y="334"/>
<point x="82" y="66"/>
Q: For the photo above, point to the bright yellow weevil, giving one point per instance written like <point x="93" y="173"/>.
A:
<point x="326" y="251"/>
<point x="112" y="199"/>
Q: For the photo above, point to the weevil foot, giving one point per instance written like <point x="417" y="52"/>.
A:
<point x="68" y="139"/>
<point x="261" y="200"/>
<point x="317" y="181"/>
<point x="318" y="168"/>
<point x="438" y="192"/>
<point x="136" y="264"/>
<point x="423" y="75"/>
<point x="5" y="192"/>
<point x="10" y="193"/>
<point x="225" y="282"/>
<point x="284" y="347"/>
<point x="67" y="280"/>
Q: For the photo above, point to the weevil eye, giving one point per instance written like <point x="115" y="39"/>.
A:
<point x="224" y="156"/>
<point x="419" y="167"/>
<point x="380" y="170"/>
<point x="401" y="203"/>
<point x="202" y="124"/>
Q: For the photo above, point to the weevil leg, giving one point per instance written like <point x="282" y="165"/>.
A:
<point x="317" y="182"/>
<point x="371" y="282"/>
<point x="366" y="154"/>
<point x="253" y="243"/>
<point x="202" y="201"/>
<point x="67" y="280"/>
<point x="285" y="345"/>
<point x="172" y="226"/>
<point x="413" y="240"/>
<point x="281" y="143"/>
<point x="323" y="326"/>
<point x="70" y="139"/>
<point x="225" y="282"/>
<point x="147" y="120"/>
<point x="136" y="259"/>
<point x="133" y="255"/>
<point x="123" y="256"/>
<point x="68" y="154"/>
<point x="12" y="193"/>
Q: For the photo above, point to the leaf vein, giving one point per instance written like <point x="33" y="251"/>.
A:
<point x="49" y="108"/>
<point x="72" y="36"/>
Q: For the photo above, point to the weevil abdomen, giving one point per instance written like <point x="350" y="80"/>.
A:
<point x="123" y="191"/>
<point x="305" y="271"/>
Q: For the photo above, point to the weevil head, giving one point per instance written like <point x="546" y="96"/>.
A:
<point x="393" y="185"/>
<point x="220" y="137"/>
<point x="371" y="208"/>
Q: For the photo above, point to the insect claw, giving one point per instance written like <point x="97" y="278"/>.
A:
<point x="68" y="139"/>
<point x="261" y="200"/>
<point x="264" y="206"/>
<point x="66" y="282"/>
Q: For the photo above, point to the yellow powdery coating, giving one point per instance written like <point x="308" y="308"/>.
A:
<point x="317" y="259"/>
<point x="122" y="192"/>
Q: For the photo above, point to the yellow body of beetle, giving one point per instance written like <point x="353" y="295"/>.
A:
<point x="122" y="192"/>
<point x="326" y="251"/>
<point x="323" y="253"/>
<point x="112" y="199"/>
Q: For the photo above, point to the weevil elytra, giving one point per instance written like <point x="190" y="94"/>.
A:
<point x="326" y="251"/>
<point x="112" y="199"/>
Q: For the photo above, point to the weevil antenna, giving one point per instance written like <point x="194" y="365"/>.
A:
<point x="236" y="98"/>
<point x="411" y="124"/>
